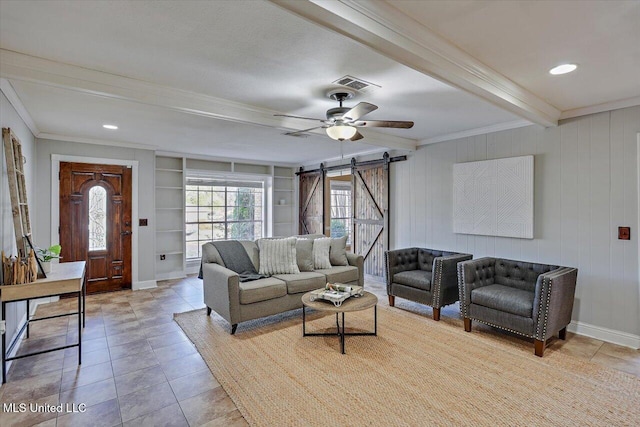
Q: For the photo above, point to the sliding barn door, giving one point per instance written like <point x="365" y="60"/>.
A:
<point x="311" y="215"/>
<point x="370" y="207"/>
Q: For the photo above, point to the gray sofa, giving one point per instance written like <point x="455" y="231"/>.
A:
<point x="533" y="300"/>
<point x="237" y="301"/>
<point x="427" y="276"/>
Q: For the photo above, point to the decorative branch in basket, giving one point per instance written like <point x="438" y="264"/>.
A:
<point x="19" y="270"/>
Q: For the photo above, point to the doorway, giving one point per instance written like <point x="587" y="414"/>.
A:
<point x="95" y="222"/>
<point x="356" y="204"/>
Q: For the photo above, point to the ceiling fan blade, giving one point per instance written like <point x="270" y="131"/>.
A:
<point x="300" y="117"/>
<point x="359" y="110"/>
<point x="356" y="137"/>
<point x="383" y="124"/>
<point x="300" y="132"/>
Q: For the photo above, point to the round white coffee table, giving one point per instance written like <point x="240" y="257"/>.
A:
<point x="367" y="300"/>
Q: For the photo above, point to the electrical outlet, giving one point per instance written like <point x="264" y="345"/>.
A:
<point x="163" y="257"/>
<point x="624" y="233"/>
<point x="3" y="327"/>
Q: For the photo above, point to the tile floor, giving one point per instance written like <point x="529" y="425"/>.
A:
<point x="139" y="369"/>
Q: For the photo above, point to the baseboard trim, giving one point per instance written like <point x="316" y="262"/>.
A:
<point x="193" y="269"/>
<point x="609" y="335"/>
<point x="171" y="276"/>
<point x="147" y="284"/>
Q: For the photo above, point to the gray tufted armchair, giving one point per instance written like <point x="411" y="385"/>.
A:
<point x="427" y="276"/>
<point x="534" y="300"/>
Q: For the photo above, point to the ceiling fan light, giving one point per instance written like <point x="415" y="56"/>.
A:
<point x="341" y="132"/>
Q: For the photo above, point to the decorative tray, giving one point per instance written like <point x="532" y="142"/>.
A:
<point x="336" y="293"/>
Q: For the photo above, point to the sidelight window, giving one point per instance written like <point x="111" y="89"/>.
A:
<point x="97" y="219"/>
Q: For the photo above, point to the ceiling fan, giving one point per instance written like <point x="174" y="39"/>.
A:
<point x="342" y="122"/>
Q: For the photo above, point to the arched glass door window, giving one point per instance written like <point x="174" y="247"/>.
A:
<point x="97" y="218"/>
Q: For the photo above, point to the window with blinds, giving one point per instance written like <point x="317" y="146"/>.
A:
<point x="218" y="209"/>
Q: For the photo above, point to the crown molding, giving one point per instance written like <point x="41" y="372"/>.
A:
<point x="477" y="131"/>
<point x="599" y="108"/>
<point x="14" y="100"/>
<point x="387" y="30"/>
<point x="107" y="142"/>
<point x="18" y="66"/>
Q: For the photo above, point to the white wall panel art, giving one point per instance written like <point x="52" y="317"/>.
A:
<point x="494" y="197"/>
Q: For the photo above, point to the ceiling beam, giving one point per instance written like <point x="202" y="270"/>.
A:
<point x="21" y="67"/>
<point x="387" y="30"/>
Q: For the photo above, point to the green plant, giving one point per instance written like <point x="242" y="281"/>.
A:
<point x="46" y="255"/>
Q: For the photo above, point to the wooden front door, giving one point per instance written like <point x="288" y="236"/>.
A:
<point x="370" y="210"/>
<point x="95" y="222"/>
<point x="311" y="202"/>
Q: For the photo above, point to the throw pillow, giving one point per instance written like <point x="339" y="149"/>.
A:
<point x="338" y="251"/>
<point x="278" y="256"/>
<point x="304" y="254"/>
<point x="321" y="249"/>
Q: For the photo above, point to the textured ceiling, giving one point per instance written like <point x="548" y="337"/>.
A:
<point x="257" y="54"/>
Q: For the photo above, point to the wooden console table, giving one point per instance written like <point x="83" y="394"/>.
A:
<point x="65" y="279"/>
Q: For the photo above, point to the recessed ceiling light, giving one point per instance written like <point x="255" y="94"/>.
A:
<point x="563" y="69"/>
<point x="112" y="127"/>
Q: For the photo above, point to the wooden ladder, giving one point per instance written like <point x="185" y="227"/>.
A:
<point x="17" y="188"/>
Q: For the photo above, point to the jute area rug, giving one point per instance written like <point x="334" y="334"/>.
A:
<point x="415" y="372"/>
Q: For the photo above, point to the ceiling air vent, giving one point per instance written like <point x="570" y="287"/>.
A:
<point x="360" y="85"/>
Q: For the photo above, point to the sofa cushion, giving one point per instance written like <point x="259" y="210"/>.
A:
<point x="304" y="254"/>
<point x="340" y="274"/>
<point x="321" y="249"/>
<point x="278" y="256"/>
<point x="302" y="282"/>
<point x="419" y="279"/>
<point x="262" y="290"/>
<point x="338" y="251"/>
<point x="504" y="298"/>
<point x="310" y="236"/>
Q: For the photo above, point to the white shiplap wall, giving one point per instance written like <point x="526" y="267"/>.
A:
<point x="16" y="312"/>
<point x="586" y="185"/>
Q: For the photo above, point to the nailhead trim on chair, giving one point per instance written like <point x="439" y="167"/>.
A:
<point x="386" y="263"/>
<point x="502" y="327"/>
<point x="546" y="287"/>
<point x="437" y="283"/>
<point x="462" y="288"/>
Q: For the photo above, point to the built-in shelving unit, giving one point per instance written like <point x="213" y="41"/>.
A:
<point x="284" y="201"/>
<point x="170" y="240"/>
<point x="171" y="174"/>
